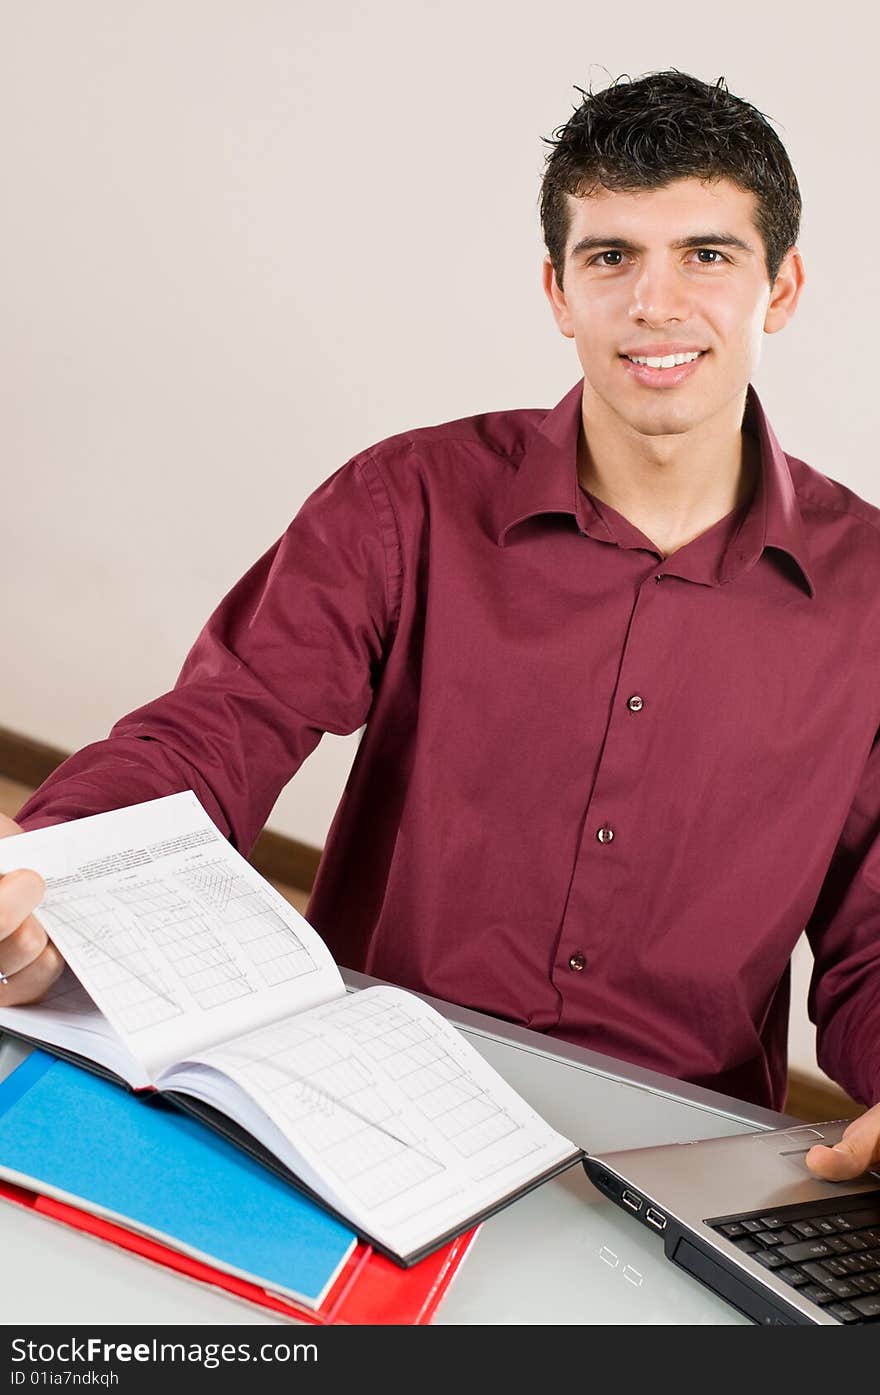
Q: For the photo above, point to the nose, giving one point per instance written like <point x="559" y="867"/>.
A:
<point x="660" y="294"/>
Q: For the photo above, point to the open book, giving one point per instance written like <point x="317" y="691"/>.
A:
<point x="189" y="974"/>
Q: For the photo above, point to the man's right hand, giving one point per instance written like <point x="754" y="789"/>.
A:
<point x="29" y="962"/>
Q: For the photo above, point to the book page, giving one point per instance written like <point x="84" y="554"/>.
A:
<point x="393" y="1116"/>
<point x="68" y="1019"/>
<point x="179" y="941"/>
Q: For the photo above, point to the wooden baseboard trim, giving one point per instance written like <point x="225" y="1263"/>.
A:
<point x="274" y="855"/>
<point x="283" y="859"/>
<point x="817" y="1100"/>
<point x="27" y="761"/>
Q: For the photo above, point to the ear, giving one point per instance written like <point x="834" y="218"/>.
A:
<point x="785" y="292"/>
<point x="557" y="300"/>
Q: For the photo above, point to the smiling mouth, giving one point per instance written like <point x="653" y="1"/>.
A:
<point x="667" y="360"/>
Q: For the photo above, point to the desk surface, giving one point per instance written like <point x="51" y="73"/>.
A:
<point x="561" y="1254"/>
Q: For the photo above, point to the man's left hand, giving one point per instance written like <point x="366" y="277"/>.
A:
<point x="857" y="1151"/>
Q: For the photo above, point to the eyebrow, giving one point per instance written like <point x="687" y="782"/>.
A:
<point x="621" y="244"/>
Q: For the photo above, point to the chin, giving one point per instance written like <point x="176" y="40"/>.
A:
<point x="664" y="423"/>
<point x="663" y="419"/>
<point x="664" y="413"/>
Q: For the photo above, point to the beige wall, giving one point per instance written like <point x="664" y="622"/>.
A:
<point x="243" y="240"/>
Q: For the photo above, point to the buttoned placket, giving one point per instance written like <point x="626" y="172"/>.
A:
<point x="604" y="858"/>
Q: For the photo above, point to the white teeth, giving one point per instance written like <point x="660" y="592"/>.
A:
<point x="668" y="361"/>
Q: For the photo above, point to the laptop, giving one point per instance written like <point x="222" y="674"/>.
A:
<point x="745" y="1216"/>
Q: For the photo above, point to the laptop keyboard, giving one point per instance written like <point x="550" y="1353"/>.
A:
<point x="830" y="1254"/>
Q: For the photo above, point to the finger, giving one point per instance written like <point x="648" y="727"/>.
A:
<point x="21" y="892"/>
<point x="8" y="826"/>
<point x="22" y="947"/>
<point x="858" y="1150"/>
<point x="32" y="983"/>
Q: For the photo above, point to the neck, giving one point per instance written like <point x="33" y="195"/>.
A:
<point x="671" y="487"/>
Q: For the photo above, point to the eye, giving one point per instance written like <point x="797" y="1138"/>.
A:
<point x="706" y="256"/>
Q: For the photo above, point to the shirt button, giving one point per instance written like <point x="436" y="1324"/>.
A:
<point x="577" y="962"/>
<point x="659" y="577"/>
<point x="635" y="703"/>
<point x="605" y="834"/>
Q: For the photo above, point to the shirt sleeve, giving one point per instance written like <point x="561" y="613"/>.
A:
<point x="844" y="934"/>
<point x="295" y="649"/>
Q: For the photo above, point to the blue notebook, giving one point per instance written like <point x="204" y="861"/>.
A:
<point x="78" y="1137"/>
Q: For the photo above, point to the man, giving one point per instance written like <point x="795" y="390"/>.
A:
<point x="615" y="660"/>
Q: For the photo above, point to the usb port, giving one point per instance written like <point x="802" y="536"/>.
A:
<point x="655" y="1218"/>
<point x="631" y="1200"/>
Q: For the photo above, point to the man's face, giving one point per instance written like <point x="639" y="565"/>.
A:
<point x="632" y="288"/>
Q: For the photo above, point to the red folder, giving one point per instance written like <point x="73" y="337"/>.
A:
<point x="369" y="1291"/>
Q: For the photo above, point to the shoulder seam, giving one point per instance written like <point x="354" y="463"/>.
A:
<point x="389" y="531"/>
<point x="404" y="437"/>
<point x="822" y="507"/>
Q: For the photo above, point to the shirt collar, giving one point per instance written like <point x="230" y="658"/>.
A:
<point x="774" y="519"/>
<point x="547" y="482"/>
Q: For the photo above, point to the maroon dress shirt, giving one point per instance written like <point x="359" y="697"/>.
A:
<point x="598" y="793"/>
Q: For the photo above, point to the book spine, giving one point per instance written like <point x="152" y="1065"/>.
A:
<point x="22" y="1078"/>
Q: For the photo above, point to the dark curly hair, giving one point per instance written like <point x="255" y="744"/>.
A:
<point x="647" y="132"/>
